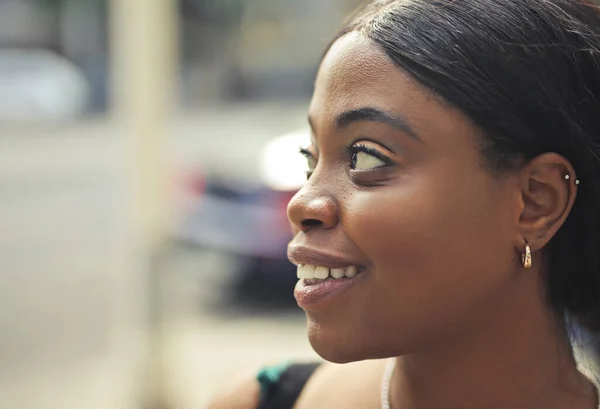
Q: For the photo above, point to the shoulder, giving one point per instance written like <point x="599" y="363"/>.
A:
<point x="343" y="385"/>
<point x="330" y="386"/>
<point x="277" y="385"/>
<point x="242" y="392"/>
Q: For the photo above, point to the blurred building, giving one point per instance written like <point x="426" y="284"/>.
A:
<point x="231" y="49"/>
<point x="256" y="49"/>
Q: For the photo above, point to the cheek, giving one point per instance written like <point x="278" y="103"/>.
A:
<point x="432" y="237"/>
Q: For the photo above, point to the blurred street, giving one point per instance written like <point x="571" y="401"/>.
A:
<point x="61" y="201"/>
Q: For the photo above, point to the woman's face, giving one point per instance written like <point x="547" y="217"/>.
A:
<point x="399" y="190"/>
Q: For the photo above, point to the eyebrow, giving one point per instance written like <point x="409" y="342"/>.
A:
<point x="376" y="115"/>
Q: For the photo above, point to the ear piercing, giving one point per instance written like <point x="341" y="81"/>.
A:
<point x="567" y="177"/>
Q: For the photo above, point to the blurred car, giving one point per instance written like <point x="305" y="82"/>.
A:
<point x="249" y="221"/>
<point x="37" y="84"/>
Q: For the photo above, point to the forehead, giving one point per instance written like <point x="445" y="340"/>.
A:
<point x="357" y="73"/>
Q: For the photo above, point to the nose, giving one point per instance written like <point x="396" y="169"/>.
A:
<point x="309" y="210"/>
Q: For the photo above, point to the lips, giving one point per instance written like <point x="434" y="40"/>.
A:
<point x="306" y="256"/>
<point x="317" y="294"/>
<point x="323" y="277"/>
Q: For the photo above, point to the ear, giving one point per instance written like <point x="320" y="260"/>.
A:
<point x="547" y="198"/>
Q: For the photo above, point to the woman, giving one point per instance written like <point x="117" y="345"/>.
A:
<point x="455" y="187"/>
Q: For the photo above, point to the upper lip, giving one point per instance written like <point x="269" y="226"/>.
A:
<point x="306" y="255"/>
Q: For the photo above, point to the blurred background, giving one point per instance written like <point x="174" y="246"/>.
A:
<point x="148" y="150"/>
<point x="142" y="210"/>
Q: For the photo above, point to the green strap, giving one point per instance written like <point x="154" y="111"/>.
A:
<point x="269" y="376"/>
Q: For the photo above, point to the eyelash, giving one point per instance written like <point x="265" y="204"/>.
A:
<point x="352" y="150"/>
<point x="305" y="152"/>
<point x="356" y="148"/>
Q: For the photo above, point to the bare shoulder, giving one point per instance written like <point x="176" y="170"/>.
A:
<point x="242" y="392"/>
<point x="343" y="385"/>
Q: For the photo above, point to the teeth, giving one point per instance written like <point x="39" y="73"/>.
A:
<point x="306" y="271"/>
<point x="321" y="273"/>
<point x="351" y="271"/>
<point x="337" y="272"/>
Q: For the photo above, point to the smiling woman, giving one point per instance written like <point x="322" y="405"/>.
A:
<point x="448" y="230"/>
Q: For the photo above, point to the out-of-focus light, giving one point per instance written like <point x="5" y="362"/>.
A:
<point x="282" y="167"/>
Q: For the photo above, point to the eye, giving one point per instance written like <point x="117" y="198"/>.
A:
<point x="311" y="161"/>
<point x="364" y="158"/>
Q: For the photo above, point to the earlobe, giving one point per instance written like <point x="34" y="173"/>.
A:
<point x="548" y="189"/>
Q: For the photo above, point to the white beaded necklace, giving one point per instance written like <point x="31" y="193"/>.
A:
<point x="389" y="371"/>
<point x="385" y="383"/>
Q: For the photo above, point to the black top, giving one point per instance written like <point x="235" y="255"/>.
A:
<point x="281" y="385"/>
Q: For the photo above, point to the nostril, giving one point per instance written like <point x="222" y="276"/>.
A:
<point x="311" y="223"/>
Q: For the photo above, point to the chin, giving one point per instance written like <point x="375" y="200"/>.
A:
<point x="334" y="352"/>
<point x="339" y="346"/>
<point x="341" y="341"/>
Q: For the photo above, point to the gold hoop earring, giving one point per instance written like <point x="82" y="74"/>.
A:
<point x="526" y="257"/>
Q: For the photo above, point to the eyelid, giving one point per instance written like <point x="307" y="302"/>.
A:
<point x="308" y="152"/>
<point x="367" y="141"/>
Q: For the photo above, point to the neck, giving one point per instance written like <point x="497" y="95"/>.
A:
<point x="518" y="357"/>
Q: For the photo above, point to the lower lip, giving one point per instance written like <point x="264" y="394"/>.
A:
<point x="308" y="296"/>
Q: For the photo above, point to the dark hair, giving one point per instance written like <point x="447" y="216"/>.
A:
<point x="527" y="74"/>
